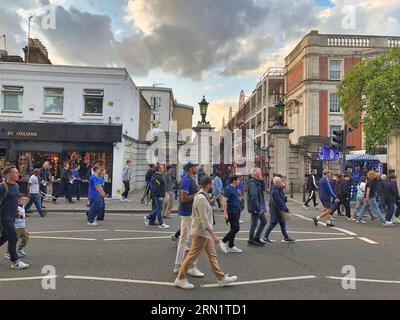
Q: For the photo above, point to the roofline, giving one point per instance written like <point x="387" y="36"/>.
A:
<point x="181" y="105"/>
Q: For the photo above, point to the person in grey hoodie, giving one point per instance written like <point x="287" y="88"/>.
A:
<point x="126" y="179"/>
<point x="256" y="208"/>
<point x="169" y="193"/>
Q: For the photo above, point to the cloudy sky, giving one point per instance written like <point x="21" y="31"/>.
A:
<point x="211" y="47"/>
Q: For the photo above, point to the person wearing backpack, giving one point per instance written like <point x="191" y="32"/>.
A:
<point x="9" y="194"/>
<point x="157" y="189"/>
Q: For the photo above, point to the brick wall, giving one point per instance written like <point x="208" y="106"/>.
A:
<point x="323" y="68"/>
<point x="323" y="113"/>
<point x="295" y="76"/>
<point x="350" y="62"/>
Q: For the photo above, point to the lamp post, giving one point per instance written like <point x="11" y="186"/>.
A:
<point x="279" y="113"/>
<point x="203" y="111"/>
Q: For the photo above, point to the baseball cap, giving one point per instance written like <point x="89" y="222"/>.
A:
<point x="190" y="165"/>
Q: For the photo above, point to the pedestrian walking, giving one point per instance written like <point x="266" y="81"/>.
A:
<point x="126" y="180"/>
<point x="149" y="175"/>
<point x="203" y="239"/>
<point x="169" y="193"/>
<point x="327" y="197"/>
<point x="277" y="205"/>
<point x="101" y="179"/>
<point x="34" y="193"/>
<point x="312" y="189"/>
<point x="380" y="191"/>
<point x="157" y="189"/>
<point x="217" y="189"/>
<point x="231" y="206"/>
<point x="256" y="208"/>
<point x="391" y="195"/>
<point x="343" y="193"/>
<point x="66" y="181"/>
<point x="371" y="202"/>
<point x="45" y="180"/>
<point x="96" y="196"/>
<point x="20" y="226"/>
<point x="9" y="194"/>
<point x="189" y="189"/>
<point x="76" y="181"/>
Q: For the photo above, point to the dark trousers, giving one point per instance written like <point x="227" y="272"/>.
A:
<point x="8" y="233"/>
<point x="271" y="227"/>
<point x="390" y="209"/>
<point x="127" y="186"/>
<point x="42" y="189"/>
<point x="34" y="199"/>
<point x="312" y="197"/>
<point x="64" y="187"/>
<point x="77" y="189"/>
<point x="254" y="223"/>
<point x="233" y="219"/>
<point x="178" y="234"/>
<point x="96" y="207"/>
<point x="346" y="203"/>
<point x="398" y="209"/>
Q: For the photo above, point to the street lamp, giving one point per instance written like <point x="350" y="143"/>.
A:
<point x="203" y="110"/>
<point x="279" y="113"/>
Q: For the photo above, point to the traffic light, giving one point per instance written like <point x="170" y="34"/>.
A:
<point x="338" y="140"/>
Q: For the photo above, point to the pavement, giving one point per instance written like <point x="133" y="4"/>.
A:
<point x="122" y="259"/>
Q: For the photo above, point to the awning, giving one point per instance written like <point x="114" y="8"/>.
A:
<point x="362" y="157"/>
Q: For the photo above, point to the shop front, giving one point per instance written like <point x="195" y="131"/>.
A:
<point x="29" y="145"/>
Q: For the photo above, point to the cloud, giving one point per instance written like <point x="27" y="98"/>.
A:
<point x="220" y="108"/>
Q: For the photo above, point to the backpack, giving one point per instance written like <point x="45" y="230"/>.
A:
<point x="5" y="185"/>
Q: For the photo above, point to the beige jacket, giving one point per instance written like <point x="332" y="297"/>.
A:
<point x="202" y="216"/>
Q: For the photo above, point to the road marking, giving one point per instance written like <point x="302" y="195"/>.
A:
<point x="63" y="238"/>
<point x="26" y="278"/>
<point x="350" y="233"/>
<point x="142" y="231"/>
<point x="311" y="240"/>
<point x="295" y="232"/>
<point x="364" y="280"/>
<point x="367" y="240"/>
<point x="242" y="283"/>
<point x="69" y="277"/>
<point x="68" y="231"/>
<point x="142" y="238"/>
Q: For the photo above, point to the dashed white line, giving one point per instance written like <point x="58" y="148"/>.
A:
<point x="68" y="231"/>
<point x="26" y="278"/>
<point x="141" y="238"/>
<point x="323" y="239"/>
<point x="242" y="283"/>
<point x="63" y="238"/>
<point x="70" y="277"/>
<point x="367" y="240"/>
<point x="149" y="231"/>
<point x="364" y="280"/>
<point x="350" y="233"/>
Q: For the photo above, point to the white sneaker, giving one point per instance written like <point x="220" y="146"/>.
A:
<point x="317" y="208"/>
<point x="388" y="224"/>
<point x="396" y="220"/>
<point x="241" y="221"/>
<point x="332" y="218"/>
<point x="361" y="221"/>
<point x="7" y="256"/>
<point x="176" y="269"/>
<point x="19" y="265"/>
<point x="227" y="280"/>
<point x="223" y="246"/>
<point x="235" y="250"/>
<point x="183" y="284"/>
<point x="122" y="199"/>
<point x="94" y="224"/>
<point x="146" y="221"/>
<point x="164" y="226"/>
<point x="194" y="272"/>
<point x="21" y="253"/>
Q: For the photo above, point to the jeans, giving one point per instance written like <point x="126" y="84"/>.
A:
<point x="273" y="225"/>
<point x="157" y="212"/>
<point x="127" y="186"/>
<point x="96" y="206"/>
<point x="390" y="209"/>
<point x="77" y="189"/>
<point x="233" y="219"/>
<point x="254" y="222"/>
<point x="37" y="200"/>
<point x="373" y="206"/>
<point x="9" y="233"/>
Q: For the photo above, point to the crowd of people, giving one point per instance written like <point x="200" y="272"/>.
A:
<point x="376" y="193"/>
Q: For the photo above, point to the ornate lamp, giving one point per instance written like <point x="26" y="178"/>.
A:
<point x="203" y="110"/>
<point x="280" y="113"/>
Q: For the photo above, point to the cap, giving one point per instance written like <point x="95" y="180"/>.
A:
<point x="190" y="165"/>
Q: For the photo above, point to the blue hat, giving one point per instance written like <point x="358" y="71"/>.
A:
<point x="190" y="165"/>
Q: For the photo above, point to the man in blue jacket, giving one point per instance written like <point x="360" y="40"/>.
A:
<point x="326" y="194"/>
<point x="256" y="208"/>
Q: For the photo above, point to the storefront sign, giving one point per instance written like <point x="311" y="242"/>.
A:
<point x="328" y="154"/>
<point x="24" y="134"/>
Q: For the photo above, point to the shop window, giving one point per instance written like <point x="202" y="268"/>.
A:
<point x="12" y="98"/>
<point x="27" y="161"/>
<point x="54" y="100"/>
<point x="94" y="102"/>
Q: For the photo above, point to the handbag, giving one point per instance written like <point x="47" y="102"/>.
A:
<point x="285" y="215"/>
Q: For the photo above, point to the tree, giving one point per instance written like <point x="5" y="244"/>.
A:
<point x="370" y="93"/>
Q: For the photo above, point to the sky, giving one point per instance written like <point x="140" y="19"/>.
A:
<point x="214" y="48"/>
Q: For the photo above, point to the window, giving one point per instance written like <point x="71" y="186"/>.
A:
<point x="334" y="69"/>
<point x="13" y="98"/>
<point x="94" y="102"/>
<point x="334" y="128"/>
<point x="155" y="102"/>
<point x="334" y="106"/>
<point x="54" y="100"/>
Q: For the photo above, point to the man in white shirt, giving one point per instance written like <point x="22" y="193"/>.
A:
<point x="34" y="193"/>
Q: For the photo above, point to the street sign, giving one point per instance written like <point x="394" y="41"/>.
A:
<point x="328" y="154"/>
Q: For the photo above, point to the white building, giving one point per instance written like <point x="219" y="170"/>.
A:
<point x="60" y="113"/>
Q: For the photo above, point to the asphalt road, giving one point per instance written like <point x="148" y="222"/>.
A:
<point x="122" y="259"/>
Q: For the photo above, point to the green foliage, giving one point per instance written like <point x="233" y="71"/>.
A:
<point x="370" y="93"/>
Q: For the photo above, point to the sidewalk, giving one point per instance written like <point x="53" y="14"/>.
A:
<point x="112" y="205"/>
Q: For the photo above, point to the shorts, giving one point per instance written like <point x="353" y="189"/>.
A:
<point x="327" y="204"/>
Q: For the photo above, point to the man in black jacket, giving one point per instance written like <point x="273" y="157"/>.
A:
<point x="148" y="177"/>
<point x="157" y="189"/>
<point x="343" y="192"/>
<point x="390" y="196"/>
<point x="312" y="188"/>
<point x="65" y="185"/>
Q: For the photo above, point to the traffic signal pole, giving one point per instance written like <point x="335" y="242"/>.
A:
<point x="343" y="166"/>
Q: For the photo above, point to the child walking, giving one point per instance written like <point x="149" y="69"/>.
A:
<point x="20" y="226"/>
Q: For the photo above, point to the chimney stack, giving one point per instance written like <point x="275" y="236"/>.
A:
<point x="38" y="53"/>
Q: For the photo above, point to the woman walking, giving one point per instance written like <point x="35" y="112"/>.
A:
<point x="277" y="207"/>
<point x="76" y="184"/>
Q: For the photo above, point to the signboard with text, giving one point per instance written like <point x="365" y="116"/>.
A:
<point x="328" y="154"/>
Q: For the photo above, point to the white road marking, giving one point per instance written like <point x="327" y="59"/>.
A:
<point x="26" y="278"/>
<point x="69" y="277"/>
<point x="142" y="231"/>
<point x="311" y="240"/>
<point x="364" y="280"/>
<point x="142" y="238"/>
<point x="242" y="283"/>
<point x="295" y="232"/>
<point x="63" y="238"/>
<point x="350" y="233"/>
<point x="68" y="231"/>
<point x="367" y="240"/>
